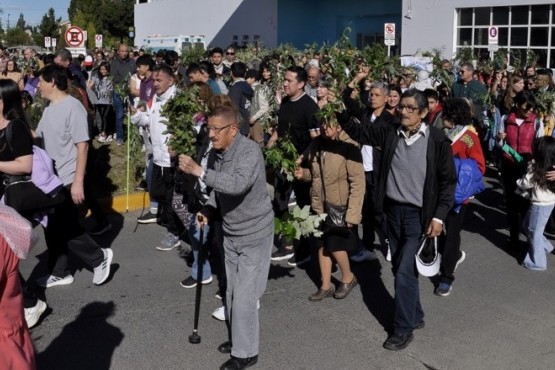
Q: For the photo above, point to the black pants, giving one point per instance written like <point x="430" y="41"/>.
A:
<point x="369" y="213"/>
<point x="91" y="176"/>
<point x="450" y="244"/>
<point x="64" y="233"/>
<point x="517" y="206"/>
<point x="162" y="189"/>
<point x="283" y="189"/>
<point x="106" y="115"/>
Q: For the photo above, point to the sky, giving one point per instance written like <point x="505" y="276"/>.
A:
<point x="33" y="10"/>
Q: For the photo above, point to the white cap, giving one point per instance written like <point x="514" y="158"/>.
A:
<point x="427" y="258"/>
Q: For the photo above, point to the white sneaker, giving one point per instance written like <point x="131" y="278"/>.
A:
<point x="49" y="281"/>
<point x="220" y="313"/>
<point x="33" y="314"/>
<point x="102" y="271"/>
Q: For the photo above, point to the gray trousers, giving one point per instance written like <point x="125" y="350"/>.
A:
<point x="247" y="265"/>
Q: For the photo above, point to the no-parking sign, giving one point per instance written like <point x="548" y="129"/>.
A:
<point x="389" y="34"/>
<point x="74" y="36"/>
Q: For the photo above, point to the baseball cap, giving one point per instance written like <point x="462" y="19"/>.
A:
<point x="88" y="61"/>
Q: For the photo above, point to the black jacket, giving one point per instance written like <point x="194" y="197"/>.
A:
<point x="441" y="178"/>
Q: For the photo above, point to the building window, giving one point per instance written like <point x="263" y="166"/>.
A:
<point x="521" y="28"/>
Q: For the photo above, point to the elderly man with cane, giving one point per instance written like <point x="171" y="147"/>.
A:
<point x="240" y="197"/>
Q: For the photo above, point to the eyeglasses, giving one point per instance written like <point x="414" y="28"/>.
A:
<point x="217" y="130"/>
<point x="229" y="53"/>
<point x="407" y="107"/>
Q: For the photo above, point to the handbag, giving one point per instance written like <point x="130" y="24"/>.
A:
<point x="21" y="191"/>
<point x="24" y="196"/>
<point x="336" y="214"/>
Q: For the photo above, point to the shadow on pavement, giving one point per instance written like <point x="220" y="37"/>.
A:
<point x="375" y="295"/>
<point x="86" y="343"/>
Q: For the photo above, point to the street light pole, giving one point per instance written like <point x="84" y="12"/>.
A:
<point x="8" y="21"/>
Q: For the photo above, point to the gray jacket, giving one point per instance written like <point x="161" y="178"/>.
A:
<point x="239" y="191"/>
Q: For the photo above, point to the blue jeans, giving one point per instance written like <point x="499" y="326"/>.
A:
<point x="118" y="108"/>
<point x="196" y="243"/>
<point x="538" y="245"/>
<point x="404" y="228"/>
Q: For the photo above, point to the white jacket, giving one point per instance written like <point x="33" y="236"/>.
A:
<point x="529" y="190"/>
<point x="154" y="121"/>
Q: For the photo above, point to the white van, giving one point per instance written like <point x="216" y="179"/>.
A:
<point x="176" y="43"/>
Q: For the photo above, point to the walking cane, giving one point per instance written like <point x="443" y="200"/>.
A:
<point x="195" y="338"/>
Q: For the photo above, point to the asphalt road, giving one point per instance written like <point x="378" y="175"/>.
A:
<point x="498" y="316"/>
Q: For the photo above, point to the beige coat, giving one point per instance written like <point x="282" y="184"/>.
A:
<point x="343" y="175"/>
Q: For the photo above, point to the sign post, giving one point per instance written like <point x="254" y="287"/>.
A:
<point x="389" y="36"/>
<point x="98" y="41"/>
<point x="493" y="40"/>
<point x="53" y="42"/>
<point x="47" y="42"/>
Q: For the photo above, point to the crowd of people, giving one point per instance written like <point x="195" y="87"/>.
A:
<point x="397" y="161"/>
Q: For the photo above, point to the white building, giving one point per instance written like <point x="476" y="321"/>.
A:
<point x="451" y="24"/>
<point x="220" y="22"/>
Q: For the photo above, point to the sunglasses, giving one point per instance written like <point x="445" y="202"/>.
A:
<point x="229" y="53"/>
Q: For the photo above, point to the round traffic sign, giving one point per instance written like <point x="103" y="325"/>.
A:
<point x="131" y="34"/>
<point x="389" y="29"/>
<point x="74" y="36"/>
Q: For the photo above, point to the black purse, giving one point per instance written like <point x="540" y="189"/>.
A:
<point x="25" y="197"/>
<point x="335" y="221"/>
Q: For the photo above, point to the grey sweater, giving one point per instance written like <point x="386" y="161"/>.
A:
<point x="239" y="191"/>
<point x="405" y="182"/>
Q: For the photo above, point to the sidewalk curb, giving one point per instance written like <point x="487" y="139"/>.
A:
<point x="118" y="204"/>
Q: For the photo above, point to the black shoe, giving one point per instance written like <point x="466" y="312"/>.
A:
<point x="282" y="254"/>
<point x="147" y="218"/>
<point x="236" y="363"/>
<point x="225" y="347"/>
<point x="398" y="341"/>
<point x="298" y="260"/>
<point x="420" y="325"/>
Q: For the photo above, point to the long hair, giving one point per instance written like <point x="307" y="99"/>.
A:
<point x="544" y="160"/>
<point x="11" y="97"/>
<point x="510" y="93"/>
<point x="15" y="67"/>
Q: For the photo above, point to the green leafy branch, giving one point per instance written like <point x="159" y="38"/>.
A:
<point x="122" y="88"/>
<point x="544" y="102"/>
<point x="182" y="112"/>
<point x="282" y="156"/>
<point x="298" y="223"/>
